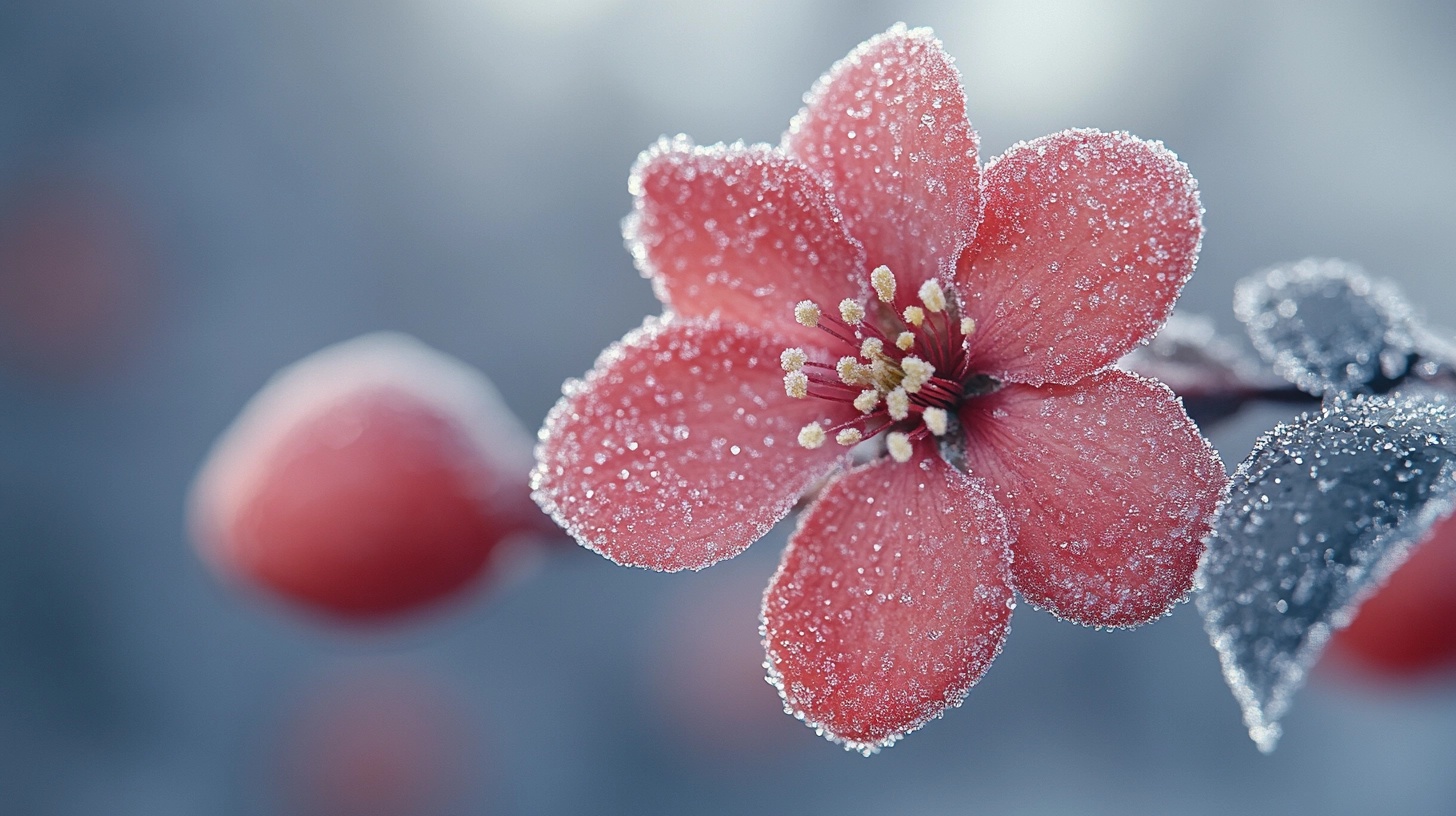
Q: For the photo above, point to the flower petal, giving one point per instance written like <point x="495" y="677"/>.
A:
<point x="680" y="449"/>
<point x="1111" y="485"/>
<point x="892" y="600"/>
<point x="740" y="233"/>
<point x="887" y="128"/>
<point x="1087" y="239"/>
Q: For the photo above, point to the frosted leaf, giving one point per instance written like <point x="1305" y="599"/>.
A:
<point x="1324" y="326"/>
<point x="1086" y="241"/>
<point x="1112" y="489"/>
<point x="1320" y="513"/>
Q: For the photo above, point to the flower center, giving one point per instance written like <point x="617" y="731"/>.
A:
<point x="908" y="377"/>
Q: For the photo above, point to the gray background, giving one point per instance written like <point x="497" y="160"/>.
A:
<point x="297" y="173"/>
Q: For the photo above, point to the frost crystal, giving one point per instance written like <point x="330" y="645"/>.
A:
<point x="1320" y="513"/>
<point x="1324" y="326"/>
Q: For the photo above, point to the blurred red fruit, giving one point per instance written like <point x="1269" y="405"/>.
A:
<point x="371" y="478"/>
<point x="1409" y="625"/>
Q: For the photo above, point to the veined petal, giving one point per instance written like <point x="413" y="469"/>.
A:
<point x="1112" y="489"/>
<point x="891" y="602"/>
<point x="887" y="128"/>
<point x="1087" y="240"/>
<point x="680" y="448"/>
<point x="740" y="233"/>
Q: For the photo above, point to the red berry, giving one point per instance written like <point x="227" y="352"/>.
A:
<point x="1409" y="625"/>
<point x="368" y="479"/>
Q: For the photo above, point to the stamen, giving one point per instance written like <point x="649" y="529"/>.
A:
<point x="884" y="282"/>
<point x="867" y="400"/>
<point x="917" y="373"/>
<point x="852" y="371"/>
<point x="932" y="295"/>
<point x="914" y="315"/>
<point x="811" y="436"/>
<point x="793" y="359"/>
<point x="898" y="443"/>
<point x="936" y="419"/>
<point x="897" y="402"/>
<point x="850" y="311"/>
<point x="849" y="437"/>
<point x="796" y="384"/>
<point x="905" y="340"/>
<point x="968" y="325"/>
<point x="807" y="313"/>
<point x="871" y="348"/>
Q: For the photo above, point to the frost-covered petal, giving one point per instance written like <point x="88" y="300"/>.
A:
<point x="1111" y="486"/>
<point x="1324" y="326"/>
<point x="1319" y="514"/>
<point x="740" y="233"/>
<point x="892" y="600"/>
<point x="1086" y="241"/>
<point x="679" y="449"/>
<point x="887" y="128"/>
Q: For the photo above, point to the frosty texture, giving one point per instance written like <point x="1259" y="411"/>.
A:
<point x="1326" y="327"/>
<point x="1320" y="513"/>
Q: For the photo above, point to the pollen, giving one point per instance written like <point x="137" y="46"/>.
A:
<point x="867" y="400"/>
<point x="807" y="313"/>
<point x="849" y="437"/>
<point x="884" y="282"/>
<point x="914" y="315"/>
<point x="932" y="295"/>
<point x="872" y="348"/>
<point x="905" y="340"/>
<point x="897" y="402"/>
<point x="796" y="384"/>
<point x="793" y="359"/>
<point x="811" y="436"/>
<point x="968" y="326"/>
<point x="851" y="311"/>
<point x="898" y="443"/>
<point x="852" y="371"/>
<point x="936" y="420"/>
<point x="917" y="373"/>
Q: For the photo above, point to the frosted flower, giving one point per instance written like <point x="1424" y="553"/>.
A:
<point x="998" y="297"/>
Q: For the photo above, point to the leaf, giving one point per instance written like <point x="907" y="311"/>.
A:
<point x="1326" y="327"/>
<point x="1320" y="513"/>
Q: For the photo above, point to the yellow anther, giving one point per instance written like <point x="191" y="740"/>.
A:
<point x="898" y="443"/>
<point x="937" y="420"/>
<point x="917" y="373"/>
<point x="811" y="436"/>
<point x="932" y="295"/>
<point x="905" y="340"/>
<point x="851" y="311"/>
<point x="852" y="371"/>
<point x="884" y="282"/>
<point x="807" y="313"/>
<point x="914" y="315"/>
<point x="968" y="325"/>
<point x="796" y="384"/>
<point x="867" y="400"/>
<point x="897" y="402"/>
<point x="871" y="348"/>
<point x="848" y="437"/>
<point x="793" y="359"/>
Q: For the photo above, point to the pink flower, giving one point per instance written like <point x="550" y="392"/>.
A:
<point x="869" y="279"/>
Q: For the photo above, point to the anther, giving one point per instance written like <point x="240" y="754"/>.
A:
<point x="914" y="315"/>
<point x="936" y="419"/>
<point x="851" y="311"/>
<point x="871" y="348"/>
<point x="848" y="437"/>
<point x="917" y="373"/>
<point x="905" y="340"/>
<point x="867" y="400"/>
<point x="932" y="295"/>
<point x="968" y="325"/>
<point x="793" y="359"/>
<point x="897" y="402"/>
<point x="811" y="436"/>
<point x="884" y="282"/>
<point x="807" y="313"/>
<point x="898" y="443"/>
<point x="851" y="371"/>
<point x="796" y="384"/>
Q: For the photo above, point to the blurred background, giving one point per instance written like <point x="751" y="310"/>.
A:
<point x="195" y="194"/>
